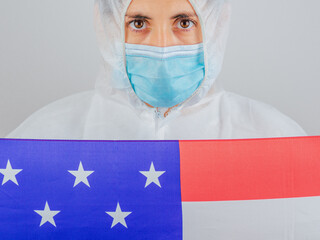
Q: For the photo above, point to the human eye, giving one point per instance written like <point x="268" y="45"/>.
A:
<point x="185" y="24"/>
<point x="137" y="25"/>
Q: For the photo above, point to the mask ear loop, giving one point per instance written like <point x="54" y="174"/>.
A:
<point x="126" y="6"/>
<point x="204" y="40"/>
<point x="132" y="97"/>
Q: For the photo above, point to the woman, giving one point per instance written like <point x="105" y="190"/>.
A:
<point x="160" y="64"/>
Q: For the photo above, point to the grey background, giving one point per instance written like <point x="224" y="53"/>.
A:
<point x="48" y="51"/>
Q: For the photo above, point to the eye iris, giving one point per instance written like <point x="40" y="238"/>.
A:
<point x="138" y="23"/>
<point x="185" y="23"/>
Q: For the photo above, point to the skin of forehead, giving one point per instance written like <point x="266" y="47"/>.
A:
<point x="159" y="8"/>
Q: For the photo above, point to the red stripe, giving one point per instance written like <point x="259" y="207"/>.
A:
<point x="217" y="170"/>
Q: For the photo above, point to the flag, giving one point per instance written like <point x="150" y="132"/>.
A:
<point x="213" y="189"/>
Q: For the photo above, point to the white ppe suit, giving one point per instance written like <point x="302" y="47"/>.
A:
<point x="112" y="111"/>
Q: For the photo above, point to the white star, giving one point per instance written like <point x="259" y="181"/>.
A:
<point x="9" y="173"/>
<point x="47" y="215"/>
<point x="152" y="176"/>
<point x="118" y="216"/>
<point x="81" y="175"/>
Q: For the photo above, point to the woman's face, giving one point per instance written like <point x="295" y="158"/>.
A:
<point x="162" y="23"/>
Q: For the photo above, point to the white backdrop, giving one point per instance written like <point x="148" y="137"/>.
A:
<point x="48" y="51"/>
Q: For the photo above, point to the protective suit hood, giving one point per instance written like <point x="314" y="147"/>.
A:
<point x="214" y="16"/>
<point x="112" y="111"/>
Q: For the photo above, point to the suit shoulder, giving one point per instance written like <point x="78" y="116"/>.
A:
<point x="56" y="118"/>
<point x="261" y="115"/>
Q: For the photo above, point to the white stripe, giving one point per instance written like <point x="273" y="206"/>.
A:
<point x="275" y="219"/>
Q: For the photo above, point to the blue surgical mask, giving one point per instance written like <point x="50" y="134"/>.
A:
<point x="164" y="76"/>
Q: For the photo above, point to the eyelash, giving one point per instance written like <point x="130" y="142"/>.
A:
<point x="182" y="29"/>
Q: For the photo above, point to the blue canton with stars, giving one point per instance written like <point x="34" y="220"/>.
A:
<point x="56" y="189"/>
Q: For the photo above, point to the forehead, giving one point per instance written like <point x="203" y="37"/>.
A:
<point x="159" y="7"/>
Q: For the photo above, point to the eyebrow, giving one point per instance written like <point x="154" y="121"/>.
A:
<point x="180" y="15"/>
<point x="184" y="15"/>
<point x="137" y="15"/>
